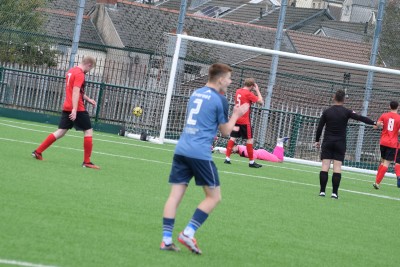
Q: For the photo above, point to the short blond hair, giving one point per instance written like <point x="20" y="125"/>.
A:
<point x="86" y="60"/>
<point x="248" y="82"/>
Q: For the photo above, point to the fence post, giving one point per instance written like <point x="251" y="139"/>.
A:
<point x="102" y="86"/>
<point x="241" y="77"/>
<point x="298" y="121"/>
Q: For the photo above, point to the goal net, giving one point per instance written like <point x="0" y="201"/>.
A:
<point x="304" y="87"/>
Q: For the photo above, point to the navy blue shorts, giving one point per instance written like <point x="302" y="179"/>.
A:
<point x="184" y="168"/>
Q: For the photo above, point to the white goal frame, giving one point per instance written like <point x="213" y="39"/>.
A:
<point x="161" y="139"/>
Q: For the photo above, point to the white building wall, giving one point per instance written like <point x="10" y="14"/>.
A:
<point x="346" y="11"/>
<point x="318" y="4"/>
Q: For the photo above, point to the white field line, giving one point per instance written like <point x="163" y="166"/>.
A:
<point x="22" y="263"/>
<point x="313" y="185"/>
<point x="227" y="172"/>
<point x="170" y="150"/>
<point x="81" y="136"/>
<point x="52" y="128"/>
<point x="81" y="150"/>
<point x="70" y="134"/>
<point x="369" y="176"/>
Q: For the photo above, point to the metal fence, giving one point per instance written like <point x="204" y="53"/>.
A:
<point x="50" y="55"/>
<point x="44" y="94"/>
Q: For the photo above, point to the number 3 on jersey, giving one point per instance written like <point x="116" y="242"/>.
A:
<point x="194" y="111"/>
<point x="390" y="125"/>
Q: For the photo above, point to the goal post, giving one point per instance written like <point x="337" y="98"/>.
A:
<point x="171" y="83"/>
<point x="304" y="87"/>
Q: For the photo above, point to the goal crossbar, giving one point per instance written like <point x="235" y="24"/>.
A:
<point x="181" y="37"/>
<point x="291" y="55"/>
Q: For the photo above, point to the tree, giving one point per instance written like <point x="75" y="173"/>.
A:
<point x="21" y="15"/>
<point x="390" y="36"/>
<point x="20" y="38"/>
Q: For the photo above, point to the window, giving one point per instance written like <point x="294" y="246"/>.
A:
<point x="213" y="11"/>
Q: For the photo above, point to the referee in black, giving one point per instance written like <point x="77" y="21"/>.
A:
<point x="335" y="120"/>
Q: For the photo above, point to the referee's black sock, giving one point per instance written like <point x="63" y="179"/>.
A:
<point x="336" y="177"/>
<point x="323" y="180"/>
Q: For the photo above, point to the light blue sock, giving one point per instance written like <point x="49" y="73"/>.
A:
<point x="199" y="217"/>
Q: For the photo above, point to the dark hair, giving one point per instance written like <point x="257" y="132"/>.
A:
<point x="339" y="96"/>
<point x="394" y="104"/>
<point x="249" y="82"/>
<point x="217" y="70"/>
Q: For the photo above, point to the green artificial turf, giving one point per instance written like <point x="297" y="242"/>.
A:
<point x="54" y="212"/>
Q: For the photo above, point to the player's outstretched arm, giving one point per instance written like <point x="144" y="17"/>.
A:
<point x="366" y="120"/>
<point x="238" y="111"/>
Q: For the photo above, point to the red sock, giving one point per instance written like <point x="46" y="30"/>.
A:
<point x="87" y="148"/>
<point x="397" y="169"/>
<point x="46" y="143"/>
<point x="381" y="173"/>
<point x="380" y="166"/>
<point x="229" y="148"/>
<point x="250" y="151"/>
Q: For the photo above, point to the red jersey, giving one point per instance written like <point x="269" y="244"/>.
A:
<point x="245" y="96"/>
<point x="75" y="78"/>
<point x="390" y="130"/>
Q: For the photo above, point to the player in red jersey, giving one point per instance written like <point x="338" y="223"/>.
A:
<point x="243" y="124"/>
<point x="74" y="113"/>
<point x="390" y="122"/>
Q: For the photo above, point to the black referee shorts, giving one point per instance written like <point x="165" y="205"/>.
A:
<point x="81" y="123"/>
<point x="388" y="153"/>
<point x="335" y="150"/>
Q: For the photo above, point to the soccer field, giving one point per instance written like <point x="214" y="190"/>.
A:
<point x="56" y="213"/>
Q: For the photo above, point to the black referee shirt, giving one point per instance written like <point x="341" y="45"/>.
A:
<point x="335" y="120"/>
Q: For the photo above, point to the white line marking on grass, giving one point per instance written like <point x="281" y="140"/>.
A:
<point x="40" y="125"/>
<point x="95" y="139"/>
<point x="170" y="150"/>
<point x="81" y="150"/>
<point x="317" y="171"/>
<point x="313" y="185"/>
<point x="227" y="172"/>
<point x="22" y="263"/>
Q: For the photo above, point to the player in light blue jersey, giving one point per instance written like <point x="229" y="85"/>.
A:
<point x="206" y="112"/>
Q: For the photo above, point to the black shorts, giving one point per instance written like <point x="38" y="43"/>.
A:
<point x="335" y="150"/>
<point x="244" y="132"/>
<point x="81" y="123"/>
<point x="388" y="153"/>
<point x="184" y="168"/>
